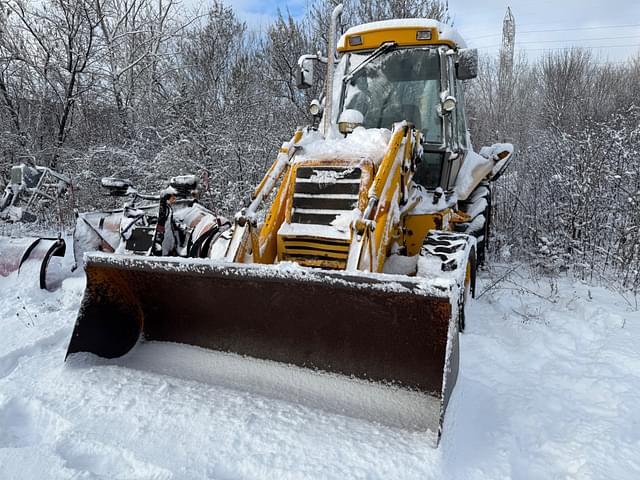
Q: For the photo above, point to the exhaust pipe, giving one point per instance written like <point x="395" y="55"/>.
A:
<point x="328" y="104"/>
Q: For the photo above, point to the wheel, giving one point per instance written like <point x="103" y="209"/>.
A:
<point x="446" y="246"/>
<point x="478" y="207"/>
<point x="468" y="290"/>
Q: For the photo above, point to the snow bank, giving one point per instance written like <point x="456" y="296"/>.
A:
<point x="549" y="386"/>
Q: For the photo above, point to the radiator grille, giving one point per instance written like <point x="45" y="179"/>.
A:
<point x="323" y="193"/>
<point x="304" y="247"/>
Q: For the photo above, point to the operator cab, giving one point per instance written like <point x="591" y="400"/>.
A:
<point x="412" y="70"/>
<point x="403" y="84"/>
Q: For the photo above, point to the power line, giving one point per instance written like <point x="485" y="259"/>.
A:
<point x="577" y="47"/>
<point x="565" y="29"/>
<point x="579" y="39"/>
<point x="630" y="45"/>
<point x="567" y="40"/>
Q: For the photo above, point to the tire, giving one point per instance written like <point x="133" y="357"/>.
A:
<point x="468" y="289"/>
<point x="478" y="206"/>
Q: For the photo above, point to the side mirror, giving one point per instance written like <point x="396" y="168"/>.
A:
<point x="304" y="75"/>
<point x="467" y="65"/>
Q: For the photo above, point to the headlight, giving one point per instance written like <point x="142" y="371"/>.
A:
<point x="449" y="104"/>
<point x="315" y="108"/>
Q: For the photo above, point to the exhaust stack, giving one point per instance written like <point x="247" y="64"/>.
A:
<point x="331" y="49"/>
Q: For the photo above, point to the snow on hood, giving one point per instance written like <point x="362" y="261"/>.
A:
<point x="371" y="143"/>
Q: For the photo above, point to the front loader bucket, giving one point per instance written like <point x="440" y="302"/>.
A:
<point x="382" y="328"/>
<point x="16" y="253"/>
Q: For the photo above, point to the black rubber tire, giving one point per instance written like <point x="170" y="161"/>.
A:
<point x="469" y="291"/>
<point x="483" y="244"/>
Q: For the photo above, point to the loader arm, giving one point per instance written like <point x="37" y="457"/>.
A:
<point x="379" y="223"/>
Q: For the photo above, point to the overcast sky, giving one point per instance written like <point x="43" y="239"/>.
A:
<point x="611" y="28"/>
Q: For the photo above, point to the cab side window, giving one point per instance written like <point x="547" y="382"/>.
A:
<point x="461" y="119"/>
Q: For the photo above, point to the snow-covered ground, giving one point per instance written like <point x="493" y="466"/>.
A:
<point x="549" y="388"/>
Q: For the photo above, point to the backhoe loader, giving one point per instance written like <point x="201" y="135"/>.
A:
<point x="359" y="248"/>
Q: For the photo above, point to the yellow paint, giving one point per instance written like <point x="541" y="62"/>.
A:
<point x="387" y="164"/>
<point x="295" y="243"/>
<point x="292" y="252"/>
<point x="390" y="167"/>
<point x="402" y="36"/>
<point x="321" y="263"/>
<point x="268" y="233"/>
<point x="416" y="228"/>
<point x="368" y="174"/>
<point x="288" y="246"/>
<point x="255" y="244"/>
<point x="301" y="250"/>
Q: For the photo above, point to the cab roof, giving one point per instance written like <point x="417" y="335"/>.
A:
<point x="405" y="32"/>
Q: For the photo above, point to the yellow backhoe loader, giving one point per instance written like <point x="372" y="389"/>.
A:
<point x="360" y="246"/>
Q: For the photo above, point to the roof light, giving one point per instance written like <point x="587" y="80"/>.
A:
<point x="355" y="40"/>
<point x="423" y="35"/>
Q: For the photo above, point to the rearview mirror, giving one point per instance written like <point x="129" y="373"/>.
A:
<point x="304" y="75"/>
<point x="467" y="65"/>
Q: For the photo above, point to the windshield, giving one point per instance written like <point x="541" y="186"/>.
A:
<point x="399" y="85"/>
